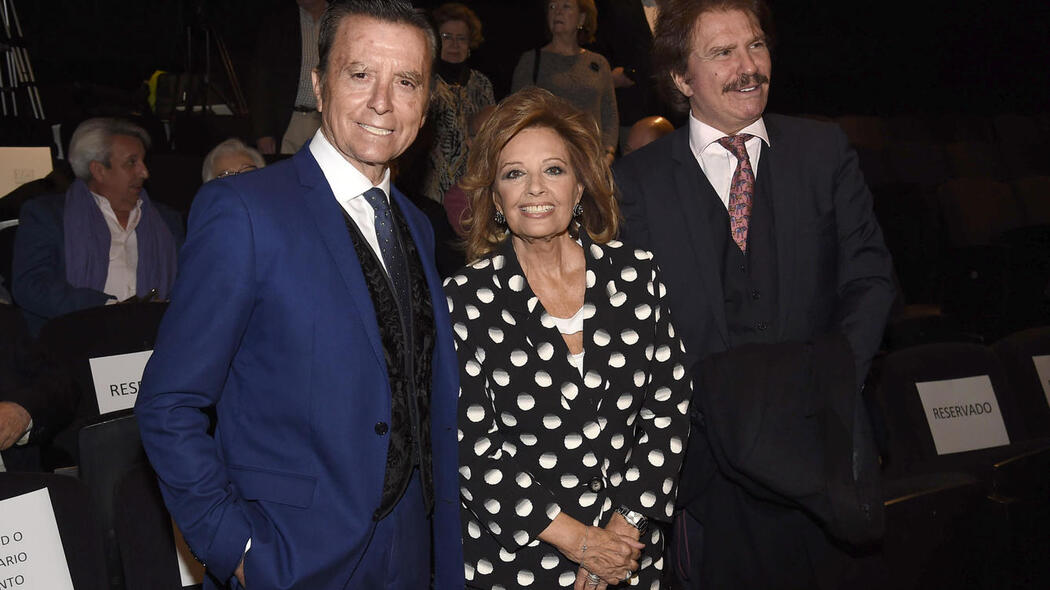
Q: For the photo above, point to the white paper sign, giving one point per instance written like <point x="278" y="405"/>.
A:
<point x="1042" y="366"/>
<point x="963" y="414"/>
<point x="19" y="165"/>
<point x="190" y="570"/>
<point x="117" y="380"/>
<point x="31" y="554"/>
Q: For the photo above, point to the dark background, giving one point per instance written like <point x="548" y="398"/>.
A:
<point x="832" y="58"/>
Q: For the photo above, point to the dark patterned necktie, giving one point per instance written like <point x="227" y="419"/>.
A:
<point x="741" y="190"/>
<point x="390" y="247"/>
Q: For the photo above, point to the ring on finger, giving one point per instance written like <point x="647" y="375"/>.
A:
<point x="594" y="579"/>
<point x="627" y="576"/>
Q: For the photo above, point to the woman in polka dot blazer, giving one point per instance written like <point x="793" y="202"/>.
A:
<point x="573" y="396"/>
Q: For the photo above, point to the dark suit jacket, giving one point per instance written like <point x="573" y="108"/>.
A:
<point x="833" y="267"/>
<point x="39" y="268"/>
<point x="271" y="321"/>
<point x="783" y="421"/>
<point x="274" y="80"/>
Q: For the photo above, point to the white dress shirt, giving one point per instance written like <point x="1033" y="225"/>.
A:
<point x="717" y="162"/>
<point x="122" y="278"/>
<point x="349" y="186"/>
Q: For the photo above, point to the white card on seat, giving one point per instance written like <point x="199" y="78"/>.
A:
<point x="19" y="165"/>
<point x="1042" y="367"/>
<point x="30" y="546"/>
<point x="190" y="570"/>
<point x="117" y="379"/>
<point x="963" y="414"/>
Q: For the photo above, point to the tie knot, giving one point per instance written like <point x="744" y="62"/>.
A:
<point x="735" y="144"/>
<point x="376" y="198"/>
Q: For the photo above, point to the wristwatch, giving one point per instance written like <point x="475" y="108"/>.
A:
<point x="635" y="519"/>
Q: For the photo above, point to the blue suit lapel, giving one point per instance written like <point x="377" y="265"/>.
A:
<point x="331" y="226"/>
<point x="691" y="186"/>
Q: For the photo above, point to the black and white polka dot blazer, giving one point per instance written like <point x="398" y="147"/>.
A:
<point x="536" y="438"/>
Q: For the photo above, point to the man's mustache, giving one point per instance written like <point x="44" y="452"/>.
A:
<point x="746" y="81"/>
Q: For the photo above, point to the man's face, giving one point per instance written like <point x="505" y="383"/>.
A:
<point x="374" y="97"/>
<point x="727" y="78"/>
<point x="121" y="181"/>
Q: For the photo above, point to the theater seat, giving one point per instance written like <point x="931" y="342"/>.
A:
<point x="913" y="447"/>
<point x="77" y="526"/>
<point x="67" y="344"/>
<point x="994" y="541"/>
<point x="1019" y="353"/>
<point x="109" y="449"/>
<point x="144" y="533"/>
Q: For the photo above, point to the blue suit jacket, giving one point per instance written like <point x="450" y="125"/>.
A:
<point x="271" y="321"/>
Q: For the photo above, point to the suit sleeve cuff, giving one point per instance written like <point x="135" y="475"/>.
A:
<point x="230" y="543"/>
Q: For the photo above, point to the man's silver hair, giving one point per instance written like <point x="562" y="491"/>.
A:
<point x="230" y="146"/>
<point x="93" y="142"/>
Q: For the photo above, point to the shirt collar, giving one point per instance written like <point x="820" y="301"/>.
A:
<point x="702" y="135"/>
<point x="347" y="182"/>
<point x="107" y="208"/>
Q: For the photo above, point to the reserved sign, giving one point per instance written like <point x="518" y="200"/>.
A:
<point x="1042" y="367"/>
<point x="31" y="554"/>
<point x="19" y="165"/>
<point x="963" y="414"/>
<point x="117" y="379"/>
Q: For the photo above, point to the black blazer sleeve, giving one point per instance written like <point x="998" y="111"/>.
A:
<point x="865" y="284"/>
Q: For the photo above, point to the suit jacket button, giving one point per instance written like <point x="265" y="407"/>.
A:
<point x="381" y="428"/>
<point x="596" y="485"/>
<point x="755" y="294"/>
<point x="761" y="326"/>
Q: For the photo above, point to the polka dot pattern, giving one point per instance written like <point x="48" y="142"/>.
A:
<point x="538" y="439"/>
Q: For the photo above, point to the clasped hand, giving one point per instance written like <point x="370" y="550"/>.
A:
<point x="611" y="553"/>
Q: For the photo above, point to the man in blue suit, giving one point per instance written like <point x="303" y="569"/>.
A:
<point x="309" y="313"/>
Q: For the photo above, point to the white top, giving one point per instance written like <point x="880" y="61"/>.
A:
<point x="572" y="325"/>
<point x="717" y="162"/>
<point x="349" y="186"/>
<point x="122" y="277"/>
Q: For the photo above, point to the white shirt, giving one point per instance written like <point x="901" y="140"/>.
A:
<point x="717" y="162"/>
<point x="349" y="185"/>
<point x="122" y="278"/>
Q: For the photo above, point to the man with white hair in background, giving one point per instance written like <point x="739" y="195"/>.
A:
<point x="104" y="240"/>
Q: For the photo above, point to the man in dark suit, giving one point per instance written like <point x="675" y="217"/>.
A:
<point x="309" y="313"/>
<point x="764" y="227"/>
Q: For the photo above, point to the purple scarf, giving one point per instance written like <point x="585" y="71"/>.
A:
<point x="87" y="241"/>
